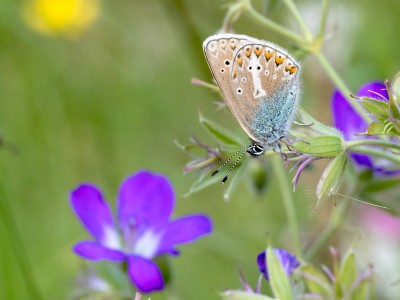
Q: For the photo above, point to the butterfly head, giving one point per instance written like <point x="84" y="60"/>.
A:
<point x="255" y="150"/>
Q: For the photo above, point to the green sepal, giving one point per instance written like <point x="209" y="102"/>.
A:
<point x="378" y="108"/>
<point x="218" y="132"/>
<point x="348" y="271"/>
<point x="376" y="128"/>
<point x="316" y="281"/>
<point x="318" y="126"/>
<point x="324" y="146"/>
<point x="186" y="147"/>
<point x="243" y="295"/>
<point x="206" y="180"/>
<point x="364" y="290"/>
<point x="202" y="182"/>
<point x="332" y="176"/>
<point x="278" y="278"/>
<point x="393" y="105"/>
<point x="395" y="86"/>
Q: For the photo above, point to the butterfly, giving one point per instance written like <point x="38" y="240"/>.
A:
<point x="260" y="83"/>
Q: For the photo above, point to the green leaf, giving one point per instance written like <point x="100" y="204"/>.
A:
<point x="219" y="132"/>
<point x="376" y="128"/>
<point x="279" y="280"/>
<point x="324" y="146"/>
<point x="316" y="281"/>
<point x="243" y="295"/>
<point x="187" y="147"/>
<point x="318" y="126"/>
<point x="332" y="176"/>
<point x="348" y="271"/>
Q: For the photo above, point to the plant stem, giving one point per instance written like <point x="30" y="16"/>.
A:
<point x="350" y="145"/>
<point x="18" y="247"/>
<point x="274" y="26"/>
<point x="377" y="153"/>
<point x="295" y="12"/>
<point x="322" y="23"/>
<point x="336" y="221"/>
<point x="288" y="202"/>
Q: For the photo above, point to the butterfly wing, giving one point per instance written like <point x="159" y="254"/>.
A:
<point x="264" y="81"/>
<point x="219" y="51"/>
<point x="259" y="82"/>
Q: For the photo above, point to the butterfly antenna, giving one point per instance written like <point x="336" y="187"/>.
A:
<point x="233" y="167"/>
<point x="229" y="159"/>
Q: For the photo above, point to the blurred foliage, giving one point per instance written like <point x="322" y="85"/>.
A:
<point x="112" y="100"/>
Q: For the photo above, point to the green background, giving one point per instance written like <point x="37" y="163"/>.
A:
<point x="98" y="108"/>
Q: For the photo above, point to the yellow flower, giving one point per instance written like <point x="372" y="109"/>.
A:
<point x="60" y="17"/>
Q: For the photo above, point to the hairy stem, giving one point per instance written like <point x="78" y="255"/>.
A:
<point x="274" y="26"/>
<point x="377" y="153"/>
<point x="294" y="11"/>
<point x="351" y="145"/>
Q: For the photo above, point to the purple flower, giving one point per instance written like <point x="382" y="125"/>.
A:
<point x="289" y="262"/>
<point x="347" y="120"/>
<point x="144" y="230"/>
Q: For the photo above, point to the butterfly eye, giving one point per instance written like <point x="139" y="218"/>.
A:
<point x="239" y="90"/>
<point x="258" y="68"/>
<point x="227" y="62"/>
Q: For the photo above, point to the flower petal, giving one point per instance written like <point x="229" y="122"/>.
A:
<point x="145" y="200"/>
<point x="145" y="274"/>
<point x="345" y="118"/>
<point x="89" y="205"/>
<point x="289" y="262"/>
<point x="374" y="89"/>
<point x="184" y="230"/>
<point x="95" y="251"/>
